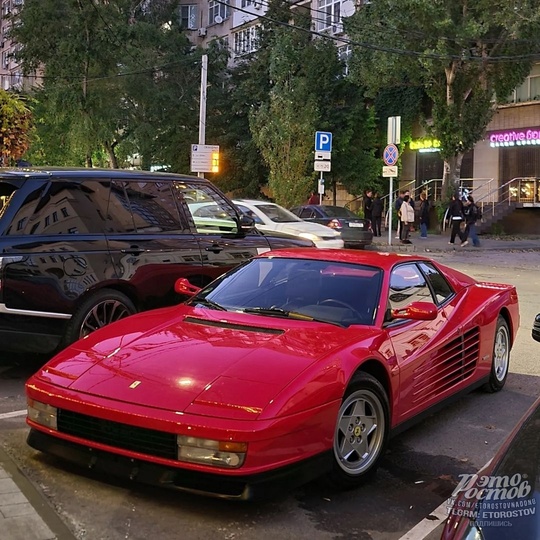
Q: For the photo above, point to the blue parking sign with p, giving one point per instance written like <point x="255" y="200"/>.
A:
<point x="323" y="141"/>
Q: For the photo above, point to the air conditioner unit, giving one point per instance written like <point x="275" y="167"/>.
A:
<point x="202" y="32"/>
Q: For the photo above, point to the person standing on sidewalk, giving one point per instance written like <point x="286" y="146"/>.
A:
<point x="455" y="213"/>
<point x="376" y="214"/>
<point x="472" y="215"/>
<point x="407" y="216"/>
<point x="424" y="214"/>
<point x="397" y="206"/>
<point x="368" y="202"/>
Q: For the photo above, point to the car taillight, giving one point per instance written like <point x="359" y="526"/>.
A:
<point x="335" y="224"/>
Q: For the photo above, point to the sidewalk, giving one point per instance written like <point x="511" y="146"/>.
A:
<point x="439" y="243"/>
<point x="24" y="512"/>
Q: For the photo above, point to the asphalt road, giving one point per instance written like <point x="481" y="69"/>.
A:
<point x="417" y="475"/>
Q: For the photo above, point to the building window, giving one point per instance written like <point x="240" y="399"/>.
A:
<point x="188" y="17"/>
<point x="529" y="90"/>
<point x="329" y="16"/>
<point x="217" y="13"/>
<point x="246" y="41"/>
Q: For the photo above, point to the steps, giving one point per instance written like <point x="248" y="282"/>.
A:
<point x="492" y="215"/>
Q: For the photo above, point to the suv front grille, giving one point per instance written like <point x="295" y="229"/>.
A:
<point x="137" y="439"/>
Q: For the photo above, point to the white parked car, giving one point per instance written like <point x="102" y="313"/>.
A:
<point x="270" y="217"/>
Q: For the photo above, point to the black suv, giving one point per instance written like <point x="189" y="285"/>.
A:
<point x="80" y="248"/>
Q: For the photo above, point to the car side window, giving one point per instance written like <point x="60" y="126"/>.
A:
<point x="307" y="213"/>
<point x="65" y="207"/>
<point x="408" y="285"/>
<point x="152" y="206"/>
<point x="441" y="288"/>
<point x="207" y="210"/>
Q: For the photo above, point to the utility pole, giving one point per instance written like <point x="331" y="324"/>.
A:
<point x="202" y="105"/>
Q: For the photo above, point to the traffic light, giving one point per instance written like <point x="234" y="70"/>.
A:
<point x="215" y="162"/>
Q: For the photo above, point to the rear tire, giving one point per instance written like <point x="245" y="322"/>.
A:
<point x="98" y="310"/>
<point x="361" y="432"/>
<point x="501" y="357"/>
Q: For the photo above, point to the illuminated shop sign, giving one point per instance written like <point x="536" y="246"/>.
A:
<point x="425" y="145"/>
<point x="515" y="137"/>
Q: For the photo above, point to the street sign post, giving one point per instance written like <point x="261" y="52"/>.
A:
<point x="325" y="166"/>
<point x="203" y="157"/>
<point x="390" y="154"/>
<point x="389" y="171"/>
<point x="323" y="141"/>
<point x="323" y="155"/>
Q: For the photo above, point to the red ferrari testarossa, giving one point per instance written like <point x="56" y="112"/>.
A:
<point x="296" y="364"/>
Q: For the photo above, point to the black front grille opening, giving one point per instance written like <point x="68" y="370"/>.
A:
<point x="136" y="439"/>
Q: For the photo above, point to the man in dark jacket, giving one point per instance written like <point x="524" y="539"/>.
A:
<point x="455" y="215"/>
<point x="376" y="214"/>
<point x="368" y="201"/>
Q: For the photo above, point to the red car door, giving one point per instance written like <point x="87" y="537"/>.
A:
<point x="430" y="353"/>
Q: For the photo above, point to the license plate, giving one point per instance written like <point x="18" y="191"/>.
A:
<point x="356" y="224"/>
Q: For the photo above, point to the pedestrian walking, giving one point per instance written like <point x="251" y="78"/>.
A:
<point x="376" y="214"/>
<point x="397" y="206"/>
<point x="424" y="214"/>
<point x="472" y="214"/>
<point x="456" y="217"/>
<point x="407" y="216"/>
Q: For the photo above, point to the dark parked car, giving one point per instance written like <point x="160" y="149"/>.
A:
<point x="536" y="328"/>
<point x="80" y="248"/>
<point x="501" y="501"/>
<point x="355" y="231"/>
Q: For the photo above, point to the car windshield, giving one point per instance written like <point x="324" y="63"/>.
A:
<point x="333" y="292"/>
<point x="339" y="211"/>
<point x="277" y="213"/>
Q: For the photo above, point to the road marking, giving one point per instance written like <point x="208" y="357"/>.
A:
<point x="429" y="524"/>
<point x="12" y="414"/>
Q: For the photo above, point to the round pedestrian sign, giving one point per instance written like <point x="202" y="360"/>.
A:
<point x="390" y="154"/>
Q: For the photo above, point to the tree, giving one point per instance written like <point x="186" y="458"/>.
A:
<point x="15" y="127"/>
<point x="466" y="56"/>
<point x="113" y="72"/>
<point x="298" y="86"/>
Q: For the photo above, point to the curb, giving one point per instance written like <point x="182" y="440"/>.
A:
<point x="24" y="510"/>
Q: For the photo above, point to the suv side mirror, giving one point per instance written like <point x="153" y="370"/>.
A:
<point x="247" y="223"/>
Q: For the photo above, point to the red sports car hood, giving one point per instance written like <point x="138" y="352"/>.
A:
<point x="199" y="361"/>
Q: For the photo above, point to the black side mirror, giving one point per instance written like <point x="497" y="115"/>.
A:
<point x="536" y="328"/>
<point x="247" y="223"/>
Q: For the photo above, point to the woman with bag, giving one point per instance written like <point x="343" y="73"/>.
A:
<point x="406" y="213"/>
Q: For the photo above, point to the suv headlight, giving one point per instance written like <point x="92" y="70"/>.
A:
<point x="209" y="452"/>
<point x="42" y="414"/>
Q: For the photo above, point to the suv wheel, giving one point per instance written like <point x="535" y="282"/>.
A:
<point x="98" y="310"/>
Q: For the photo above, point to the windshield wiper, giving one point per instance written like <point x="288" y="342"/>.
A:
<point x="278" y="312"/>
<point x="208" y="303"/>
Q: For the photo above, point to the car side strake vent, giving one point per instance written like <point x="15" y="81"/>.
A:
<point x="455" y="362"/>
<point x="234" y="326"/>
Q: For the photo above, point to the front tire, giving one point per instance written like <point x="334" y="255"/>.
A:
<point x="501" y="357"/>
<point x="98" y="310"/>
<point x="361" y="432"/>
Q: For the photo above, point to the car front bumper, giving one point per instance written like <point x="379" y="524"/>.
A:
<point x="249" y="487"/>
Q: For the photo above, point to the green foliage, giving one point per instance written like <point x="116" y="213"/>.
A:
<point x="466" y="57"/>
<point x="15" y="127"/>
